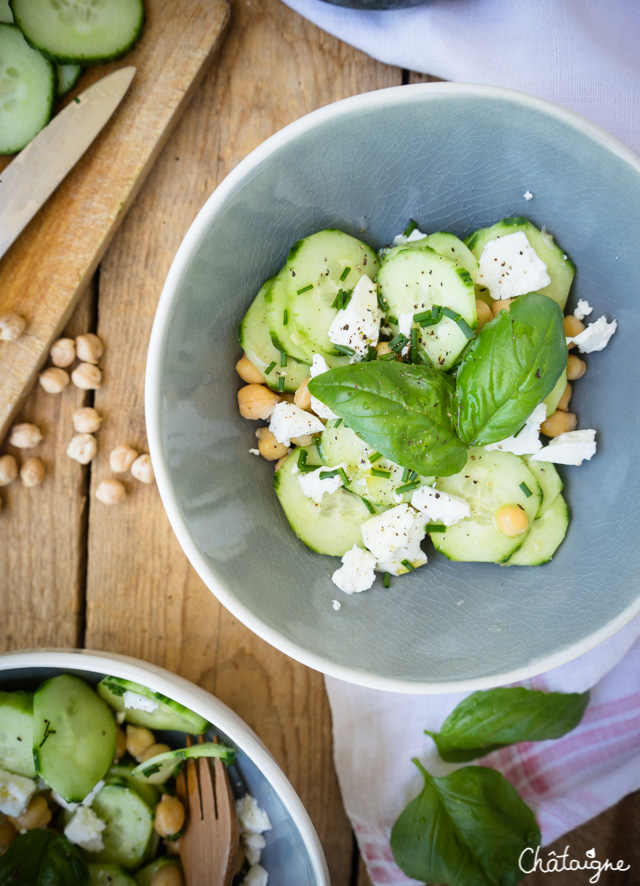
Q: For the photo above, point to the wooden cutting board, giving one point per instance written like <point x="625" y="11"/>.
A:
<point x="49" y="266"/>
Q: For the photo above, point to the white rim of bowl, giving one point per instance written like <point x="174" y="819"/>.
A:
<point x="392" y="95"/>
<point x="196" y="699"/>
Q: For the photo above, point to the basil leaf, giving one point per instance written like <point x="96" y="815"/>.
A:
<point x="491" y="719"/>
<point x="402" y="410"/>
<point x="469" y="827"/>
<point x="42" y="858"/>
<point x="510" y="367"/>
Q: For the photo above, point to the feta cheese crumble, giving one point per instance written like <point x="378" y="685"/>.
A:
<point x="15" y="792"/>
<point x="85" y="829"/>
<point x="318" y="366"/>
<point x="252" y="823"/>
<point x="357" y="572"/>
<point x="583" y="309"/>
<point x="358" y="325"/>
<point x="135" y="702"/>
<point x="337" y="605"/>
<point x="393" y="536"/>
<point x="528" y="195"/>
<point x="509" y="266"/>
<point x="315" y="487"/>
<point x="416" y="234"/>
<point x="527" y="440"/>
<point x="571" y="448"/>
<point x="288" y="420"/>
<point x="256" y="876"/>
<point x="595" y="337"/>
<point x="440" y="507"/>
<point x="254" y="451"/>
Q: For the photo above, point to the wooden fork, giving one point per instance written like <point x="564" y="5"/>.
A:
<point x="209" y="845"/>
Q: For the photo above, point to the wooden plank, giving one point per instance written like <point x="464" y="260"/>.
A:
<point x="49" y="266"/>
<point x="143" y="597"/>
<point x="43" y="529"/>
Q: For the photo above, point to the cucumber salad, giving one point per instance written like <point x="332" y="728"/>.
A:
<point x="406" y="390"/>
<point x="89" y="791"/>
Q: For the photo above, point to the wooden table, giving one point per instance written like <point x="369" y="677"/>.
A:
<point x="76" y="573"/>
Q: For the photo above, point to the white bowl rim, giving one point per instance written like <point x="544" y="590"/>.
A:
<point x="396" y="95"/>
<point x="196" y="699"/>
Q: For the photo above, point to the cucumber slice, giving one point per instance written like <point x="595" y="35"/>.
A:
<point x="257" y="344"/>
<point x="283" y="335"/>
<point x="317" y="268"/>
<point x="553" y="397"/>
<point x="27" y="90"/>
<point x="16" y="733"/>
<point x="83" y="32"/>
<point x="451" y="247"/>
<point x="489" y="481"/>
<point x="168" y="714"/>
<point x="167" y="762"/>
<point x="129" y="826"/>
<point x="544" y="537"/>
<point x="144" y="877"/>
<point x="121" y="773"/>
<point x="413" y="281"/>
<point x="66" y="78"/>
<point x="74" y="736"/>
<point x="109" y="875"/>
<point x="5" y="13"/>
<point x="331" y="527"/>
<point x="549" y="481"/>
<point x="559" y="266"/>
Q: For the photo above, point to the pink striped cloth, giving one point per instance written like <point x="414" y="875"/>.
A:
<point x="566" y="781"/>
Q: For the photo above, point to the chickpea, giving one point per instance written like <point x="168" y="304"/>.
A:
<point x="82" y="448"/>
<point x="8" y="469"/>
<point x="142" y="469"/>
<point x="63" y="352"/>
<point x="280" y="462"/>
<point x="86" y="420"/>
<point x="576" y="367"/>
<point x="256" y="401"/>
<point x="12" y="326"/>
<point x="89" y="348"/>
<point x="7" y="834"/>
<point x="304" y="440"/>
<point x="168" y="816"/>
<point x="383" y="348"/>
<point x="511" y="520"/>
<point x="32" y="472"/>
<point x="54" y="380"/>
<point x="36" y="815"/>
<point x="484" y="312"/>
<point x="87" y="377"/>
<point x="302" y="397"/>
<point x="121" y="458"/>
<point x="268" y="446"/>
<point x="248" y="372"/>
<point x="25" y="435"/>
<point x="563" y="402"/>
<point x="170" y="875"/>
<point x="138" y="740"/>
<point x="559" y="423"/>
<point x="121" y="745"/>
<point x="572" y="326"/>
<point x="501" y="304"/>
<point x="111" y="492"/>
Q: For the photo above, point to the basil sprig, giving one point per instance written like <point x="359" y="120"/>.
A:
<point x="42" y="858"/>
<point x="492" y="719"/>
<point x="402" y="410"/>
<point x="469" y="827"/>
<point x="509" y="368"/>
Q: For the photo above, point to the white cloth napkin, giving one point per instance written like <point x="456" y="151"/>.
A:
<point x="582" y="54"/>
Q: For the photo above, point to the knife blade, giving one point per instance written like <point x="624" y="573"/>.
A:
<point x="39" y="168"/>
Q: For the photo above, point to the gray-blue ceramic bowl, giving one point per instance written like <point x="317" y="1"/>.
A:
<point x="293" y="855"/>
<point x="454" y="157"/>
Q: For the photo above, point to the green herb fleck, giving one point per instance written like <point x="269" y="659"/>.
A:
<point x="345" y="274"/>
<point x="305" y="289"/>
<point x="270" y="367"/>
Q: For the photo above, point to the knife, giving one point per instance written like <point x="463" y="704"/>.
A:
<point x="39" y="168"/>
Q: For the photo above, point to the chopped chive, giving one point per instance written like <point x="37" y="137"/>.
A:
<point x="371" y="354"/>
<point x="431" y="320"/>
<point x="344" y="349"/>
<point x="384" y="305"/>
<point x="405" y="474"/>
<point x="151" y="770"/>
<point x="338" y="422"/>
<point x="280" y="385"/>
<point x="392" y="319"/>
<point x="77" y="99"/>
<point x="368" y="505"/>
<point x="435" y="527"/>
<point x="423" y="315"/>
<point x="410" y="228"/>
<point x="328" y="474"/>
<point x="305" y="289"/>
<point x="397" y="344"/>
<point x="374" y="457"/>
<point x="302" y="458"/>
<point x="413" y="350"/>
<point x="283" y="358"/>
<point x="464" y="327"/>
<point x="526" y="489"/>
<point x="390" y="356"/>
<point x="285" y="317"/>
<point x="412" y="476"/>
<point x="307" y="469"/>
<point x="408" y="487"/>
<point x="319" y="449"/>
<point x="380" y="472"/>
<point x="436" y="312"/>
<point x="343" y="477"/>
<point x="425" y="358"/>
<point x="407" y="565"/>
<point x="386" y="580"/>
<point x="270" y="367"/>
<point x="345" y="274"/>
<point x="342" y="299"/>
<point x="337" y="302"/>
